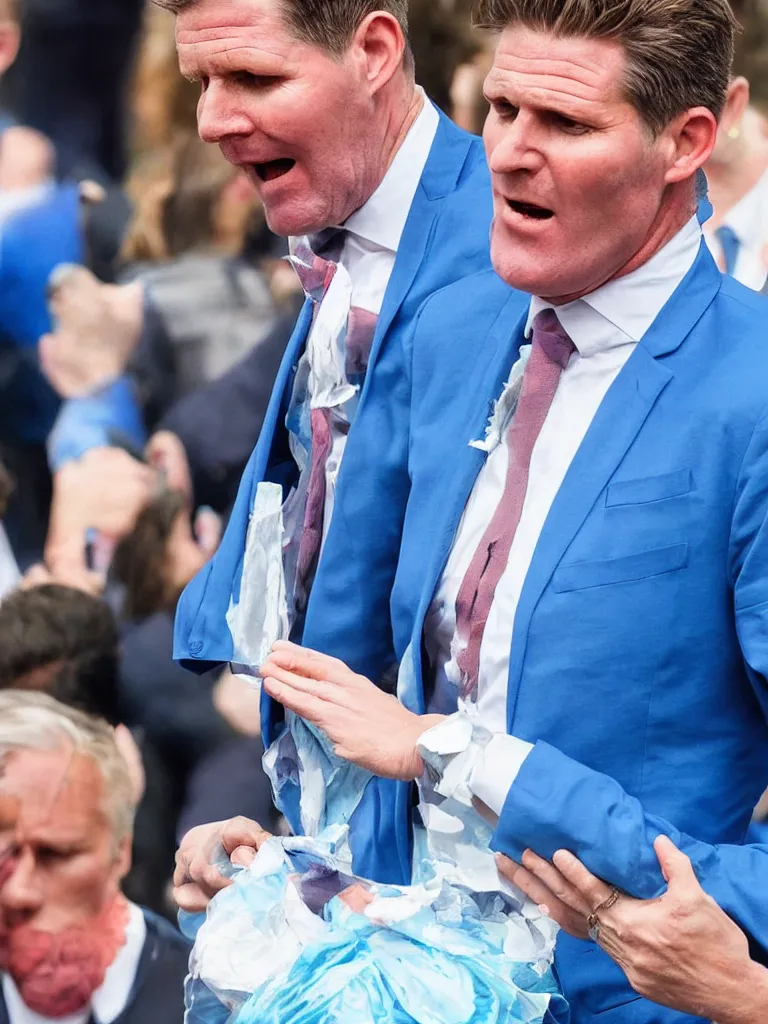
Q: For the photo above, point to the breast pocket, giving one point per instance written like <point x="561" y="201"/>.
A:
<point x="626" y="569"/>
<point x="649" y="489"/>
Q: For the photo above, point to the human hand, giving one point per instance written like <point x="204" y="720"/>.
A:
<point x="366" y="726"/>
<point x="65" y="574"/>
<point x="105" y="490"/>
<point x="165" y="452"/>
<point x="681" y="950"/>
<point x="196" y="881"/>
<point x="97" y="328"/>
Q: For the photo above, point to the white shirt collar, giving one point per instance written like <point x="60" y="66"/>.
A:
<point x="110" y="1000"/>
<point x="622" y="311"/>
<point x="381" y="220"/>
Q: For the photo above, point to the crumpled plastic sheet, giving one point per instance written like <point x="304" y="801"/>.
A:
<point x="281" y="947"/>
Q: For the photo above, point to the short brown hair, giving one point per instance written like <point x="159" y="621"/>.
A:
<point x="329" y="24"/>
<point x="9" y="10"/>
<point x="679" y="52"/>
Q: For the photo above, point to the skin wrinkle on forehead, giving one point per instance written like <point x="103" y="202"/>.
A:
<point x="26" y="827"/>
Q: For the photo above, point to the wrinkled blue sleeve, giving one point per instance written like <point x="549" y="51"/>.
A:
<point x="557" y="803"/>
<point x="108" y="416"/>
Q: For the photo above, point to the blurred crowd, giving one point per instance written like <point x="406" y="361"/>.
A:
<point x="144" y="310"/>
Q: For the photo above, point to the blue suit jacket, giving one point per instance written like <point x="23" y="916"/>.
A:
<point x="445" y="238"/>
<point x="640" y="654"/>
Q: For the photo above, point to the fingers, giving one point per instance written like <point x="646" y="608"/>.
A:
<point x="304" y="704"/>
<point x="243" y="857"/>
<point x="676" y="867"/>
<point x="208" y="529"/>
<point x="536" y="890"/>
<point x="591" y="890"/>
<point x="295" y="680"/>
<point x="242" y="832"/>
<point x="559" y="884"/>
<point x="192" y="898"/>
<point x="310" y="663"/>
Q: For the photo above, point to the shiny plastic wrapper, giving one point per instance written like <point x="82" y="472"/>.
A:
<point x="298" y="940"/>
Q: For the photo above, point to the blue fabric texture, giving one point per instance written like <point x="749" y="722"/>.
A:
<point x="108" y="416"/>
<point x="445" y="238"/>
<point x="640" y="657"/>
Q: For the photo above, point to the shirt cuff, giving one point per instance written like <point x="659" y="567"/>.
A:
<point x="497" y="766"/>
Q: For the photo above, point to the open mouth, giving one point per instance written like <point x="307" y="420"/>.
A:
<point x="274" y="169"/>
<point x="530" y="210"/>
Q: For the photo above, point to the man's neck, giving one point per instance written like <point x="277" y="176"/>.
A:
<point x="403" y="104"/>
<point x="675" y="212"/>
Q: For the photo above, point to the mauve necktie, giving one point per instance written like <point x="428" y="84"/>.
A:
<point x="550" y="352"/>
<point x="731" y="246"/>
<point x="316" y="273"/>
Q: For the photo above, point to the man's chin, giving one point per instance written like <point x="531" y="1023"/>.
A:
<point x="294" y="220"/>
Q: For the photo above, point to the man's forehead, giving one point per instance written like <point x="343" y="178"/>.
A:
<point x="585" y="68"/>
<point x="218" y="29"/>
<point x="43" y="787"/>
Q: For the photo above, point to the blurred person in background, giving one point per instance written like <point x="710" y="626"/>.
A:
<point x="72" y="946"/>
<point x="190" y="303"/>
<point x="26" y="156"/>
<point x="62" y="641"/>
<point x="737" y="173"/>
<point x="72" y="78"/>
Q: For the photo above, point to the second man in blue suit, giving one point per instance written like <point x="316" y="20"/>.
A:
<point x="385" y="202"/>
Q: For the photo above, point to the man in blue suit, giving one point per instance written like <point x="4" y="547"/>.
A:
<point x="385" y="201"/>
<point x="585" y="574"/>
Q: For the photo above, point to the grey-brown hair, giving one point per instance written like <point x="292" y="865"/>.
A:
<point x="35" y="721"/>
<point x="329" y="24"/>
<point x="679" y="52"/>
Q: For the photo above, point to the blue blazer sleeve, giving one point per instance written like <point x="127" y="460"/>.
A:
<point x="557" y="803"/>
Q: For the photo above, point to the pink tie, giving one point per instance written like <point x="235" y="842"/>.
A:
<point x="316" y="274"/>
<point x="551" y="350"/>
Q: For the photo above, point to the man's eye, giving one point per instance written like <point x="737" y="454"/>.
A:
<point x="506" y="111"/>
<point x="49" y="855"/>
<point x="571" y="126"/>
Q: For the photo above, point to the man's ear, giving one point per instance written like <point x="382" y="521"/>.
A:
<point x="124" y="860"/>
<point x="735" y="108"/>
<point x="10" y="38"/>
<point x="692" y="138"/>
<point x="380" y="44"/>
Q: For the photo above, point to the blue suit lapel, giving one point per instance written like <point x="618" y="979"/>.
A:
<point x="615" y="427"/>
<point x="274" y="421"/>
<point x="441" y="174"/>
<point x="505" y="342"/>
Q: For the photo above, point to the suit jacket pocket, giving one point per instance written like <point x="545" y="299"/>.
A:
<point x="652" y="488"/>
<point x="627" y="569"/>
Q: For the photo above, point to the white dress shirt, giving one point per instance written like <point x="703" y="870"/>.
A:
<point x="749" y="221"/>
<point x="108" y="1001"/>
<point x="368" y="257"/>
<point x="605" y="328"/>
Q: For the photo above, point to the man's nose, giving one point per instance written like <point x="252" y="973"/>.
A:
<point x="514" y="147"/>
<point x="221" y="116"/>
<point x="22" y="891"/>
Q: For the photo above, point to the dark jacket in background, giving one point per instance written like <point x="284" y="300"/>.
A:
<point x="158" y="992"/>
<point x="220" y="423"/>
<point x="71" y="80"/>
